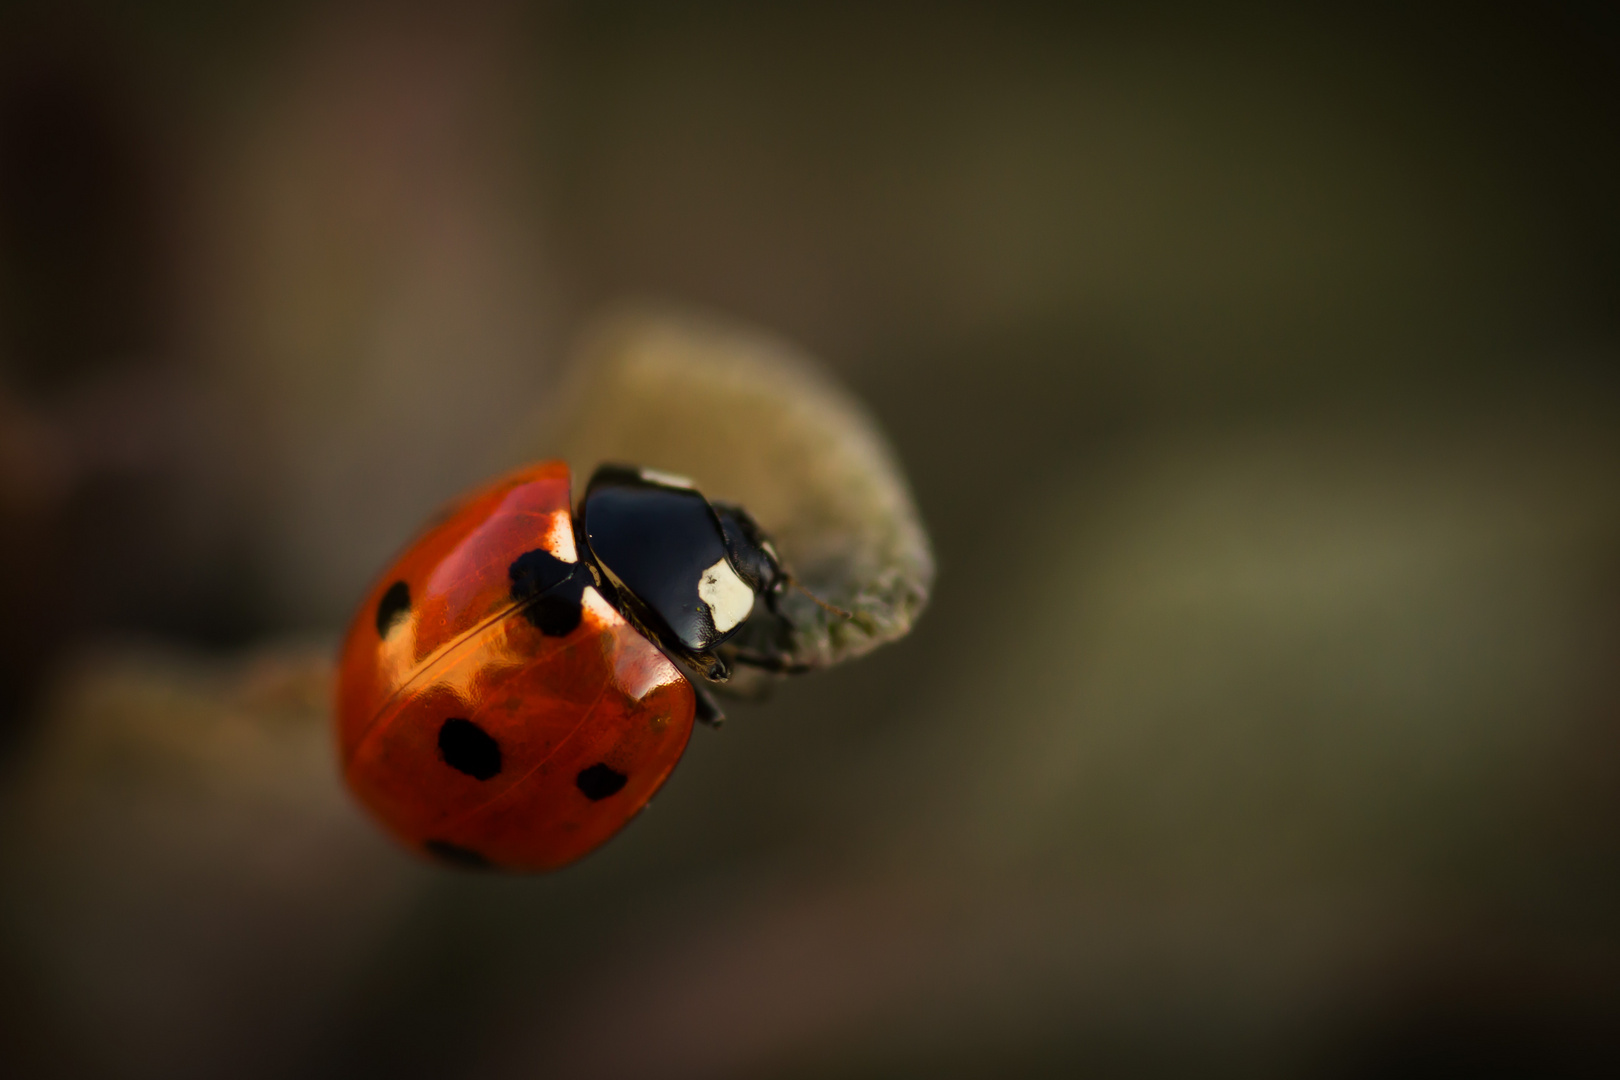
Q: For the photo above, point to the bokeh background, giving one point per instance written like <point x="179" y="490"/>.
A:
<point x="1256" y="374"/>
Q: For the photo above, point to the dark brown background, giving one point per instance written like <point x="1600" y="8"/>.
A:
<point x="1255" y="373"/>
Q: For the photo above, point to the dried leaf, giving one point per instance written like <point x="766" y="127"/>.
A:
<point x="756" y="422"/>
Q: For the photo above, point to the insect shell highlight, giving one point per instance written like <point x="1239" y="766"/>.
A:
<point x="515" y="687"/>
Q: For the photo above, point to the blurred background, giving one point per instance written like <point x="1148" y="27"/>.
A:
<point x="1255" y="371"/>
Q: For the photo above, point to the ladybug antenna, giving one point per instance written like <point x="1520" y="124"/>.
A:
<point x="832" y="609"/>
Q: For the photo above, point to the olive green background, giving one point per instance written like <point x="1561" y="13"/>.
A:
<point x="1255" y="375"/>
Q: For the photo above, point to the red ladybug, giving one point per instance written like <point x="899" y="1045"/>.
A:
<point x="514" y="689"/>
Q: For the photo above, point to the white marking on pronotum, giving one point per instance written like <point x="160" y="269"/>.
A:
<point x="668" y="479"/>
<point x="728" y="596"/>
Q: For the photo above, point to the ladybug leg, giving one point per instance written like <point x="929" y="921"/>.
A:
<point x="775" y="664"/>
<point x="710" y="666"/>
<point x="708" y="710"/>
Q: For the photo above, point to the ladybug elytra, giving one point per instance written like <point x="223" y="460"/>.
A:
<point x="522" y="680"/>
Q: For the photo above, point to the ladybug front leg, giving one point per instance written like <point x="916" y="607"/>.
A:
<point x="708" y="710"/>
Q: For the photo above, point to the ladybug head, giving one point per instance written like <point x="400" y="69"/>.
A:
<point x="686" y="571"/>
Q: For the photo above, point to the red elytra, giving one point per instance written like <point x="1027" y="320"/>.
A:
<point x="483" y="735"/>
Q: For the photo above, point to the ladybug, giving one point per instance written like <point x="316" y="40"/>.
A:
<point x="522" y="679"/>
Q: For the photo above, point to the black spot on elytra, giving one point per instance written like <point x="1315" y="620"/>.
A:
<point x="394" y="605"/>
<point x="555" y="616"/>
<point x="550" y="589"/>
<point x="469" y="748"/>
<point x="537" y="571"/>
<point x="456" y="855"/>
<point x="599" y="781"/>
